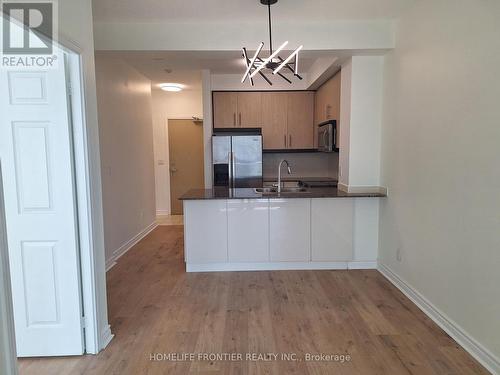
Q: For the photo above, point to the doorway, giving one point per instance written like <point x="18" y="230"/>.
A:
<point x="43" y="150"/>
<point x="185" y="145"/>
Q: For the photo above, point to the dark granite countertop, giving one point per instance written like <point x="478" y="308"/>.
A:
<point x="297" y="178"/>
<point x="317" y="192"/>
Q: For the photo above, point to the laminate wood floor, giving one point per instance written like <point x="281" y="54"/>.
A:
<point x="156" y="307"/>
<point x="170" y="220"/>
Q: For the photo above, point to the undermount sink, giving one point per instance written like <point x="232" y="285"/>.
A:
<point x="274" y="190"/>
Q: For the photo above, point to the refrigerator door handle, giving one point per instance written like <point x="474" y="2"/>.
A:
<point x="230" y="169"/>
<point x="233" y="172"/>
<point x="334" y="140"/>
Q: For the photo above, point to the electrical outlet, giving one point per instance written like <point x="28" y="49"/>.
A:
<point x="398" y="255"/>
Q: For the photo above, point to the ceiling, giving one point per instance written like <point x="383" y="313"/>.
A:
<point x="214" y="11"/>
<point x="186" y="66"/>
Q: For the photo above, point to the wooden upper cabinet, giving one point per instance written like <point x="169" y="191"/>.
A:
<point x="286" y="117"/>
<point x="327" y="105"/>
<point x="320" y="106"/>
<point x="249" y="109"/>
<point x="274" y="120"/>
<point x="237" y="109"/>
<point x="300" y="120"/>
<point x="225" y="107"/>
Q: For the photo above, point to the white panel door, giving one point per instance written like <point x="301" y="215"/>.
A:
<point x="36" y="154"/>
<point x="331" y="229"/>
<point x="290" y="230"/>
<point x="248" y="230"/>
<point x="205" y="231"/>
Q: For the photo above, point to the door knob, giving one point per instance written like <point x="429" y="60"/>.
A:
<point x="173" y="169"/>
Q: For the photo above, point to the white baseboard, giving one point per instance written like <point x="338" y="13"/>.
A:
<point x="106" y="337"/>
<point x="129" y="244"/>
<point x="362" y="265"/>
<point x="162" y="213"/>
<point x="278" y="266"/>
<point x="474" y="348"/>
<point x="110" y="263"/>
<point x="343" y="187"/>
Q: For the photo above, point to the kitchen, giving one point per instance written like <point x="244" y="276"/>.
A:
<point x="275" y="203"/>
<point x="332" y="205"/>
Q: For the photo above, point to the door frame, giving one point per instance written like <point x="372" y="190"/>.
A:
<point x="88" y="196"/>
<point x="87" y="171"/>
<point x="89" y="208"/>
<point x="8" y="357"/>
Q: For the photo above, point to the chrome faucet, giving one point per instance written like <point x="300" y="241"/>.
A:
<point x="279" y="172"/>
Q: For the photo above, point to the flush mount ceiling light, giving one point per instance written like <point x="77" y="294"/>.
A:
<point x="171" y="87"/>
<point x="273" y="63"/>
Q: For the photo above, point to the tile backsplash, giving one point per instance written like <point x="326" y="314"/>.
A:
<point x="314" y="164"/>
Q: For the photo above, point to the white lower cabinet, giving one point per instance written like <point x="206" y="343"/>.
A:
<point x="290" y="230"/>
<point x="332" y="229"/>
<point x="248" y="230"/>
<point x="205" y="231"/>
<point x="275" y="233"/>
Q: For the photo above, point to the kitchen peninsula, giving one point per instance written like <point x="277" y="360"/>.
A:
<point x="242" y="229"/>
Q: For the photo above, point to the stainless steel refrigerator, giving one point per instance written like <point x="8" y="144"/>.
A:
<point x="237" y="158"/>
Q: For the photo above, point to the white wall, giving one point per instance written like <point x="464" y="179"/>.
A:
<point x="75" y="26"/>
<point x="345" y="123"/>
<point x="366" y="117"/>
<point x="440" y="160"/>
<point x="232" y="35"/>
<point x="127" y="159"/>
<point x="361" y="106"/>
<point x="169" y="105"/>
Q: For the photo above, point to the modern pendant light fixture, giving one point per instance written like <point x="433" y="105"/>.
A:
<point x="273" y="63"/>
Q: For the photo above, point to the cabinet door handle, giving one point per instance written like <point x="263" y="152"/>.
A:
<point x="234" y="119"/>
<point x="290" y="141"/>
<point x="284" y="139"/>
<point x="240" y="119"/>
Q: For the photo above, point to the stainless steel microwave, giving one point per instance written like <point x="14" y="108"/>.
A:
<point x="327" y="136"/>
